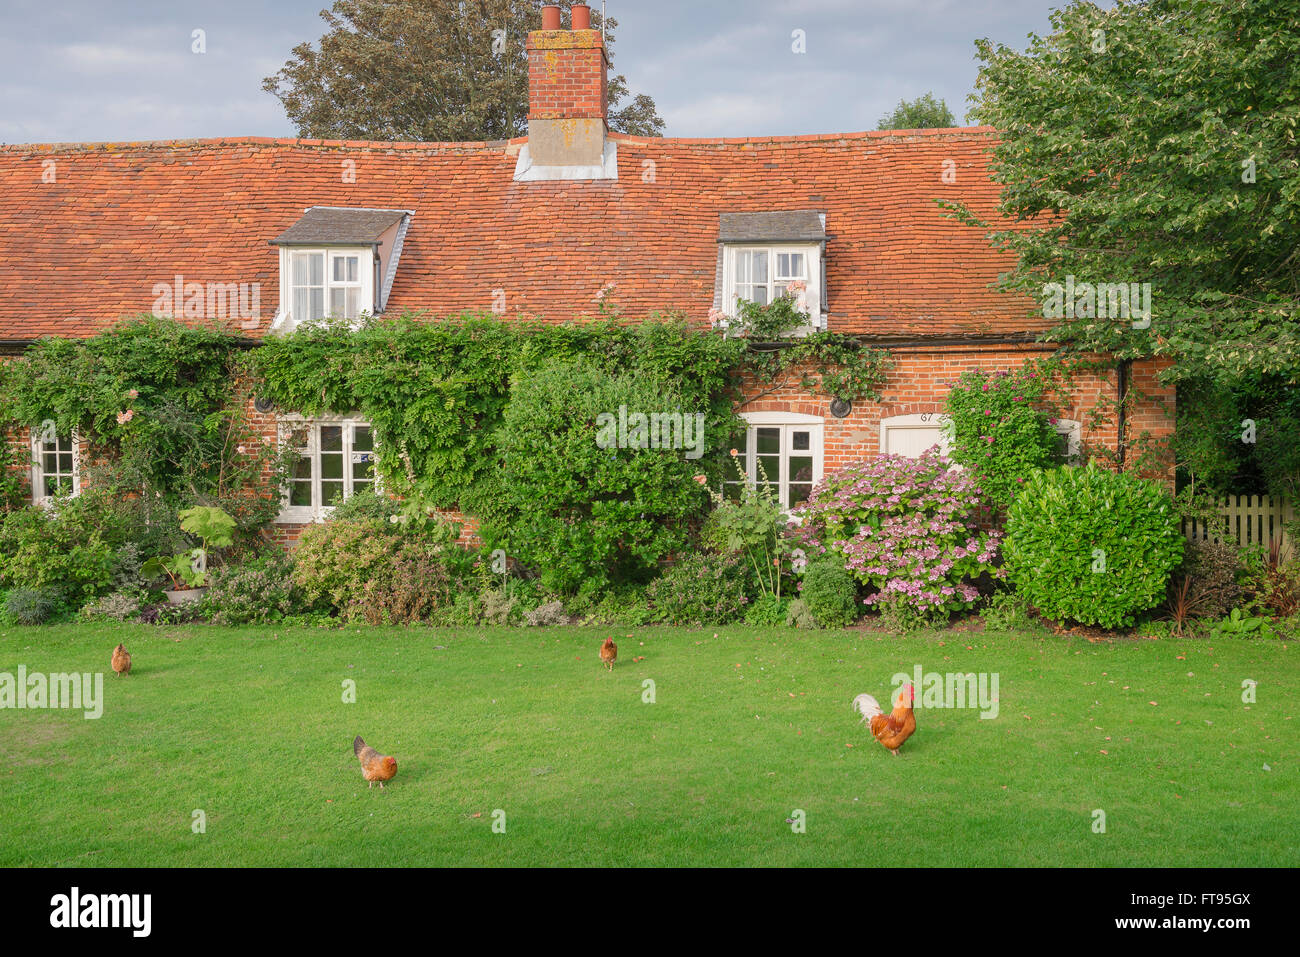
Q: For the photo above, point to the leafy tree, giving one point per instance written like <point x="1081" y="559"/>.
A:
<point x="429" y="70"/>
<point x="923" y="113"/>
<point x="1155" y="143"/>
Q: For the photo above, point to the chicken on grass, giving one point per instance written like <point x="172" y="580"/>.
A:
<point x="374" y="766"/>
<point x="609" y="653"/>
<point x="891" y="729"/>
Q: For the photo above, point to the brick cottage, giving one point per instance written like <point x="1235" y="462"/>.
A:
<point x="269" y="234"/>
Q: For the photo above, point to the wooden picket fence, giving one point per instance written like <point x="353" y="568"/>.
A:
<point x="1245" y="520"/>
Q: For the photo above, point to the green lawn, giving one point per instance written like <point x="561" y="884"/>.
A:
<point x="249" y="726"/>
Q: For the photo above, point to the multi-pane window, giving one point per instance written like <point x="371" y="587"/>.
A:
<point x="336" y="459"/>
<point x="763" y="274"/>
<point x="786" y="456"/>
<point x="54" y="463"/>
<point x="325" y="284"/>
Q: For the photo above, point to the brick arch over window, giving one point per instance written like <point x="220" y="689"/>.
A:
<point x="814" y="407"/>
<point x="892" y="409"/>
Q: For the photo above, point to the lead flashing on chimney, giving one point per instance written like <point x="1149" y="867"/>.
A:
<point x="526" y="172"/>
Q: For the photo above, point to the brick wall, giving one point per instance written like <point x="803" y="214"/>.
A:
<point x="918" y="383"/>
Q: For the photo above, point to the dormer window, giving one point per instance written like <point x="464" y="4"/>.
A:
<point x="763" y="256"/>
<point x="336" y="291"/>
<point x="338" y="263"/>
<point x="762" y="275"/>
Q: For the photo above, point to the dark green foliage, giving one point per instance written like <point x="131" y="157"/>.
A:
<point x="156" y="399"/>
<point x="577" y="512"/>
<point x="831" y="593"/>
<point x="1091" y="546"/>
<point x="436" y="391"/>
<point x="48" y="549"/>
<point x="1212" y="571"/>
<point x="430" y="71"/>
<point x="923" y="113"/>
<point x="1156" y="142"/>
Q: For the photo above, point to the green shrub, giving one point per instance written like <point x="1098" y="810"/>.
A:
<point x="549" y="613"/>
<point x="1092" y="546"/>
<point x="30" y="606"/>
<point x="1008" y="611"/>
<point x="798" y="615"/>
<point x="1212" y="571"/>
<point x="49" y="549"/>
<point x="1000" y="427"/>
<point x="377" y="571"/>
<point x="622" y="607"/>
<point x="254" y="593"/>
<point x="570" y="506"/>
<point x="367" y="506"/>
<point x="831" y="594"/>
<point x="122" y="605"/>
<point x="699" y="590"/>
<point x="767" y="611"/>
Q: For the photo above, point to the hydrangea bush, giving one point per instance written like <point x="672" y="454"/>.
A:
<point x="905" y="528"/>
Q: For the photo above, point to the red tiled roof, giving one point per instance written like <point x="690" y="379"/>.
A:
<point x="88" y="248"/>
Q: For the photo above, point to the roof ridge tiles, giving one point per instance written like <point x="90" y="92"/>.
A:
<point x="954" y="132"/>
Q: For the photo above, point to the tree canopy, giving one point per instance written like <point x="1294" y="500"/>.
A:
<point x="429" y="70"/>
<point x="923" y="113"/>
<point x="1155" y="142"/>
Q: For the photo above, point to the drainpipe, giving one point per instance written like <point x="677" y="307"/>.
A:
<point x="1121" y="425"/>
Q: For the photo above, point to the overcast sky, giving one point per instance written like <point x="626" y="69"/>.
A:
<point x="105" y="70"/>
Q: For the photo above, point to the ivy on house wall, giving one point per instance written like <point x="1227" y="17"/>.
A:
<point x="436" y="391"/>
<point x="156" y="402"/>
<point x="159" y="400"/>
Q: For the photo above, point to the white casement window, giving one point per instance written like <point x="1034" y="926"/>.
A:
<point x="55" y="464"/>
<point x="782" y="449"/>
<point x="761" y="274"/>
<point x="911" y="435"/>
<point x="336" y="459"/>
<point x="1069" y="449"/>
<point x="326" y="284"/>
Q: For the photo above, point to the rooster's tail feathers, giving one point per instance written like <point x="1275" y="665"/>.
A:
<point x="357" y="745"/>
<point x="866" y="706"/>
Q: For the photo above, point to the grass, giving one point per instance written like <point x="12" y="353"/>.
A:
<point x="748" y="725"/>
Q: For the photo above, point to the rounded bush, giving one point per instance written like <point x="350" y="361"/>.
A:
<point x="699" y="590"/>
<point x="831" y="594"/>
<point x="1092" y="546"/>
<point x="30" y="606"/>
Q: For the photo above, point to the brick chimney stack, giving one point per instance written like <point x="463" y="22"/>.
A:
<point x="567" y="96"/>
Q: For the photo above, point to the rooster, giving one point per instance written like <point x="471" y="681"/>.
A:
<point x="609" y="653"/>
<point x="374" y="766"/>
<point x="891" y="729"/>
<point x="121" y="660"/>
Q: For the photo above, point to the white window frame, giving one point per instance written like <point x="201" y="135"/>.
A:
<point x="365" y="283"/>
<point x="787" y="422"/>
<point x="809" y="300"/>
<point x="318" y="511"/>
<point x="916" y="420"/>
<point x="38" y="472"/>
<point x="1072" y="431"/>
